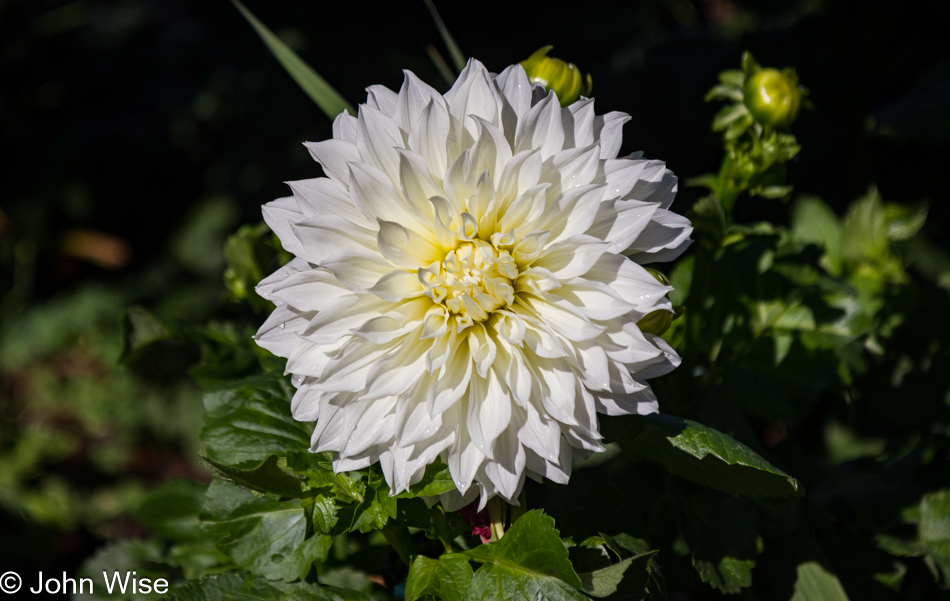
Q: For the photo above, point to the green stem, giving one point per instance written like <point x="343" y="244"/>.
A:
<point x="399" y="538"/>
<point x="497" y="510"/>
<point x="698" y="290"/>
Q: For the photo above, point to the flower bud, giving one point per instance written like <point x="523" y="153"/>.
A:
<point x="773" y="97"/>
<point x="657" y="322"/>
<point x="554" y="74"/>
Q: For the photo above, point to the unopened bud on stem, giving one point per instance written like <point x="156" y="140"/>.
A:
<point x="773" y="97"/>
<point x="657" y="322"/>
<point x="554" y="74"/>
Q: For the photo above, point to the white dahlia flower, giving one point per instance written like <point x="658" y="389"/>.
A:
<point x="468" y="282"/>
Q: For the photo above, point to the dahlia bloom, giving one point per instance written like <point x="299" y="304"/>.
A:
<point x="468" y="282"/>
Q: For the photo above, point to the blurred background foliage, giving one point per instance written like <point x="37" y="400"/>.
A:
<point x="140" y="134"/>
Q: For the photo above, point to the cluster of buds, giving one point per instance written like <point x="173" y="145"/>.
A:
<point x="762" y="103"/>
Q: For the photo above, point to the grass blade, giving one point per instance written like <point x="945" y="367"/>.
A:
<point x="441" y="66"/>
<point x="321" y="92"/>
<point x="454" y="51"/>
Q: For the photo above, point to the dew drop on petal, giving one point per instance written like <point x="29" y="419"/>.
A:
<point x="281" y="326"/>
<point x="297" y="380"/>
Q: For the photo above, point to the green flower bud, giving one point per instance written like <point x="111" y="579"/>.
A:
<point x="773" y="97"/>
<point x="554" y="74"/>
<point x="657" y="322"/>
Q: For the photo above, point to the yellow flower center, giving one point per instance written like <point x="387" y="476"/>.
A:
<point x="472" y="281"/>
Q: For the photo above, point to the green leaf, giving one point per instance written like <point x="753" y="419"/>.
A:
<point x="262" y="534"/>
<point x="317" y="468"/>
<point x="816" y="584"/>
<point x="446" y="578"/>
<point x="198" y="559"/>
<point x="728" y="115"/>
<point x="934" y="524"/>
<point x="172" y="510"/>
<point x="721" y="534"/>
<point x="732" y="77"/>
<point x="904" y="222"/>
<point x="321" y="92"/>
<point x="248" y="252"/>
<point x="373" y="512"/>
<point x="701" y="454"/>
<point x="772" y="192"/>
<point x="228" y="587"/>
<point x="864" y="231"/>
<point x="436" y="480"/>
<point x="272" y="476"/>
<point x="933" y="529"/>
<point x="708" y="181"/>
<point x="730" y="574"/>
<point x="813" y="221"/>
<point x="635" y="562"/>
<point x="320" y="512"/>
<point x="197" y="242"/>
<point x="726" y="91"/>
<point x="248" y="420"/>
<point x="530" y="561"/>
<point x="141" y="329"/>
<point x="435" y="522"/>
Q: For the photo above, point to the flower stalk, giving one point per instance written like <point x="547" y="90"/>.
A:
<point x="497" y="512"/>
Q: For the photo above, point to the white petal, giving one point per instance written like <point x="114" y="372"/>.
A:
<point x="578" y="122"/>
<point x="412" y="99"/>
<point x="382" y="99"/>
<point x="280" y="215"/>
<point x="453" y="381"/>
<point x="397" y="285"/>
<point x="344" y="127"/>
<point x="541" y="128"/>
<point x="325" y="196"/>
<point x="310" y="290"/>
<point x="334" y="156"/>
<point x="279" y="332"/>
<point x="342" y="315"/>
<point x="377" y="138"/>
<point x="429" y="135"/>
<point x="266" y="286"/>
<point x="572" y="257"/>
<point x="357" y="269"/>
<point x="464" y="458"/>
<point x="405" y="248"/>
<point x="620" y="222"/>
<point x="608" y="130"/>
<point x="325" y="235"/>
